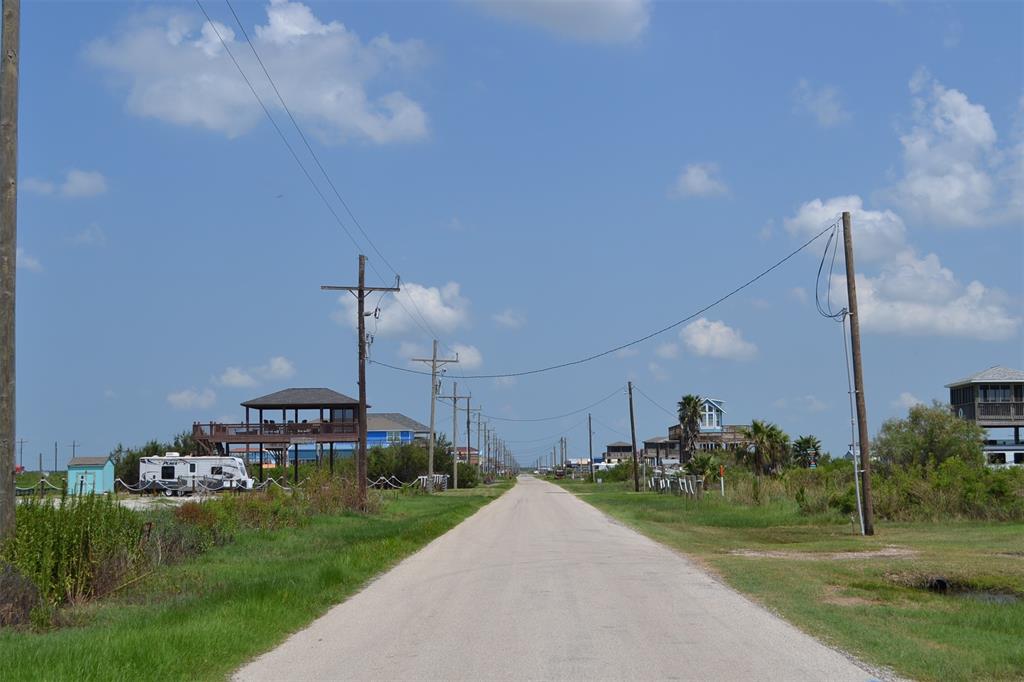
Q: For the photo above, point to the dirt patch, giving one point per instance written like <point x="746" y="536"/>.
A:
<point x="832" y="596"/>
<point x="884" y="553"/>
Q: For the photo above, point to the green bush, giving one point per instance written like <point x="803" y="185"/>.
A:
<point x="74" y="549"/>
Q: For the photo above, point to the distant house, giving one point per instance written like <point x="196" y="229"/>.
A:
<point x="714" y="433"/>
<point x="661" y="450"/>
<point x="393" y="428"/>
<point x="88" y="475"/>
<point x="616" y="452"/>
<point x="994" y="399"/>
<point x="471" y="452"/>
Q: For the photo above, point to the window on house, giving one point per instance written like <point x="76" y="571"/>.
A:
<point x="394" y="436"/>
<point x="1018" y="458"/>
<point x="997" y="458"/>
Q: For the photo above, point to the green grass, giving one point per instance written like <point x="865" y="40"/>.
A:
<point x="28" y="479"/>
<point x="205" y="617"/>
<point x="867" y="606"/>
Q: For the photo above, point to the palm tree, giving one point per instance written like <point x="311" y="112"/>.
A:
<point x="768" y="447"/>
<point x="703" y="465"/>
<point x="806" y="450"/>
<point x="690" y="407"/>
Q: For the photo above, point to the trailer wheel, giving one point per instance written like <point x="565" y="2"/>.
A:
<point x="168" y="492"/>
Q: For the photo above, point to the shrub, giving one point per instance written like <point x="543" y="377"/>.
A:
<point x="18" y="596"/>
<point x="65" y="549"/>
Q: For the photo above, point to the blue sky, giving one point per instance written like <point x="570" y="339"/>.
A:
<point x="550" y="180"/>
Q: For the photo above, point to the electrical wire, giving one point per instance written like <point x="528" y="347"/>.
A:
<point x="634" y="342"/>
<point x="831" y="248"/>
<point x="422" y="322"/>
<point x="652" y="401"/>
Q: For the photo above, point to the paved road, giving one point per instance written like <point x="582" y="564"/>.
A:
<point x="539" y="585"/>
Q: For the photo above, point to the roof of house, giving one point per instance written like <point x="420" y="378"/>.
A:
<point x="88" y="461"/>
<point x="659" y="439"/>
<point x="995" y="373"/>
<point x="619" y="444"/>
<point x="393" y="421"/>
<point x="302" y="398"/>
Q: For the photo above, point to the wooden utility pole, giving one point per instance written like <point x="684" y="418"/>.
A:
<point x="858" y="377"/>
<point x="11" y="44"/>
<point x="434" y="388"/>
<point x="359" y="292"/>
<point x="455" y="433"/>
<point x="590" y="436"/>
<point x="632" y="431"/>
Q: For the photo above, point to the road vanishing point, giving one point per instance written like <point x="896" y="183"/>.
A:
<point x="539" y="585"/>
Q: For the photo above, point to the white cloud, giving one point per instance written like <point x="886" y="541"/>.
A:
<point x="24" y="261"/>
<point x="90" y="236"/>
<point x="276" y="368"/>
<point x="442" y="309"/>
<point x="667" y="350"/>
<point x="699" y="180"/>
<point x="657" y="371"/>
<point x="505" y="382"/>
<point x="906" y="400"/>
<point x="191" y="398"/>
<point x="599" y="21"/>
<point x="79" y="183"/>
<point x="176" y="70"/>
<point x="911" y="294"/>
<point x="822" y="103"/>
<point x="37" y="186"/>
<point x="715" y="339"/>
<point x="917" y="296"/>
<point x="946" y="155"/>
<point x="876" y="234"/>
<point x="510" y="319"/>
<point x="236" y="378"/>
<point x="811" y="403"/>
<point x="469" y="356"/>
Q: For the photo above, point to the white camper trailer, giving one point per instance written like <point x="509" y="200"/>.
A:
<point x="177" y="475"/>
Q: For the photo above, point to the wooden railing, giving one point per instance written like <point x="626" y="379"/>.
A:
<point x="991" y="411"/>
<point x="221" y="431"/>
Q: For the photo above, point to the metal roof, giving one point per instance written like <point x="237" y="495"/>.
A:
<point x="88" y="461"/>
<point x="619" y="444"/>
<point x="393" y="421"/>
<point x="994" y="374"/>
<point x="307" y="398"/>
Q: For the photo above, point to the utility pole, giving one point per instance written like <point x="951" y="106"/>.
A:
<point x="858" y="376"/>
<point x="434" y="388"/>
<point x="479" y="454"/>
<point x="359" y="292"/>
<point x="74" y="448"/>
<point x="21" y="452"/>
<point x="632" y="432"/>
<point x="455" y="433"/>
<point x="11" y="40"/>
<point x="590" y="435"/>
<point x="54" y="458"/>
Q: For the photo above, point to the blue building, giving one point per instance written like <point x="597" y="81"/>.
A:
<point x="87" y="475"/>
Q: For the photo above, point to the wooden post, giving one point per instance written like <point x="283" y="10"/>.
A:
<point x="8" y="254"/>
<point x="632" y="432"/>
<point x="858" y="377"/>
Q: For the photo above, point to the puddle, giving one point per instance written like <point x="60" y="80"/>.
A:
<point x="952" y="589"/>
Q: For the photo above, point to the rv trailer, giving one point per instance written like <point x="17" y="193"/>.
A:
<point x="177" y="475"/>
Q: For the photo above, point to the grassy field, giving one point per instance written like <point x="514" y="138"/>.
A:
<point x="29" y="479"/>
<point x="203" y="618"/>
<point x="874" y="606"/>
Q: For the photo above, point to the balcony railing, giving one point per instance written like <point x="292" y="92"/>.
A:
<point x="219" y="431"/>
<point x="1012" y="411"/>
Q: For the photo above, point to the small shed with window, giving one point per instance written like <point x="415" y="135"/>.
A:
<point x="89" y="475"/>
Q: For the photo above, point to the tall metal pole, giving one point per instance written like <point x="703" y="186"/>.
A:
<point x="434" y="388"/>
<point x="11" y="44"/>
<point x="632" y="432"/>
<point x="858" y="377"/>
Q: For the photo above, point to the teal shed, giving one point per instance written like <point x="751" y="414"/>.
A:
<point x="90" y="475"/>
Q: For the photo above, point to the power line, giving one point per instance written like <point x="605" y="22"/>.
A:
<point x="634" y="342"/>
<point x="422" y="322"/>
<point x="831" y="245"/>
<point x="652" y="401"/>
